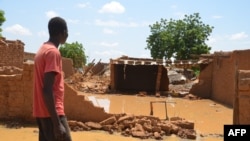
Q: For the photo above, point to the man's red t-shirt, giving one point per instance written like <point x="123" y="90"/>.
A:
<point x="48" y="59"/>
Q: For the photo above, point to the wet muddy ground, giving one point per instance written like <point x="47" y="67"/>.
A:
<point x="207" y="115"/>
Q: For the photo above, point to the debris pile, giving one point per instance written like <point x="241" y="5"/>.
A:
<point x="89" y="84"/>
<point x="100" y="84"/>
<point x="143" y="127"/>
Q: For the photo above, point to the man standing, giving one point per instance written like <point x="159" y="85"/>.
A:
<point x="48" y="98"/>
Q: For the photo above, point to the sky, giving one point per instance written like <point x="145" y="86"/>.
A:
<point x="110" y="29"/>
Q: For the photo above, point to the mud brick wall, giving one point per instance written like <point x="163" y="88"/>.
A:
<point x="223" y="79"/>
<point x="224" y="75"/>
<point x="242" y="98"/>
<point x="217" y="80"/>
<point x="16" y="95"/>
<point x="11" y="52"/>
<point x="77" y="108"/>
<point x="28" y="56"/>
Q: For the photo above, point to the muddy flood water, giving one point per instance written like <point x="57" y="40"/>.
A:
<point x="207" y="115"/>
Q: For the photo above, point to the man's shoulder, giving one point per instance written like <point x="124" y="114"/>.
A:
<point x="47" y="52"/>
<point x="47" y="48"/>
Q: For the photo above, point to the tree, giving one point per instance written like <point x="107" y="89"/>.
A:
<point x="2" y="20"/>
<point x="180" y="39"/>
<point x="76" y="52"/>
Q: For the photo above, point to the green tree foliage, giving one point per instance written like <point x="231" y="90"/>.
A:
<point x="76" y="52"/>
<point x="2" y="20"/>
<point x="180" y="39"/>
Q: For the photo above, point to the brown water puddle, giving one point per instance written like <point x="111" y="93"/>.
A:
<point x="208" y="116"/>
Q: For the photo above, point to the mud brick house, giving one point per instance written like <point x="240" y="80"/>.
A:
<point x="225" y="77"/>
<point x="138" y="74"/>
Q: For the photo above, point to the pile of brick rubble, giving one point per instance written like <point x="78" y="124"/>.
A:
<point x="143" y="127"/>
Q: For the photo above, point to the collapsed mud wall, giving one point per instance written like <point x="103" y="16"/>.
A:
<point x="217" y="79"/>
<point x="203" y="87"/>
<point x="16" y="95"/>
<point x="11" y="52"/>
<point x="77" y="108"/>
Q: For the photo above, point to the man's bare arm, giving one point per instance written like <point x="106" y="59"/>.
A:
<point x="48" y="95"/>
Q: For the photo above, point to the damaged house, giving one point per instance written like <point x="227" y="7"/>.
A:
<point x="225" y="77"/>
<point x="138" y="74"/>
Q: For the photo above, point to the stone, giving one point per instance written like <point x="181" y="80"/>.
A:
<point x="94" y="125"/>
<point x="110" y="120"/>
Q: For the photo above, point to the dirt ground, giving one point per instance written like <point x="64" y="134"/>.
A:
<point x="208" y="116"/>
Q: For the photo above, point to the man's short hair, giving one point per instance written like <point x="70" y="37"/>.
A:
<point x="56" y="26"/>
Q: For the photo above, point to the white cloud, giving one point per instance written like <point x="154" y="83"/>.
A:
<point x="108" y="31"/>
<point x="109" y="44"/>
<point x="238" y="36"/>
<point x="51" y="14"/>
<point x="18" y="30"/>
<point x="113" y="23"/>
<point x="112" y="7"/>
<point x="228" y="42"/>
<point x="108" y="54"/>
<point x="83" y="5"/>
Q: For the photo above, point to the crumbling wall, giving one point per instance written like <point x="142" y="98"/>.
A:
<point x="241" y="113"/>
<point x="204" y="87"/>
<point x="77" y="108"/>
<point x="222" y="74"/>
<point x="16" y="95"/>
<point x="11" y="52"/>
